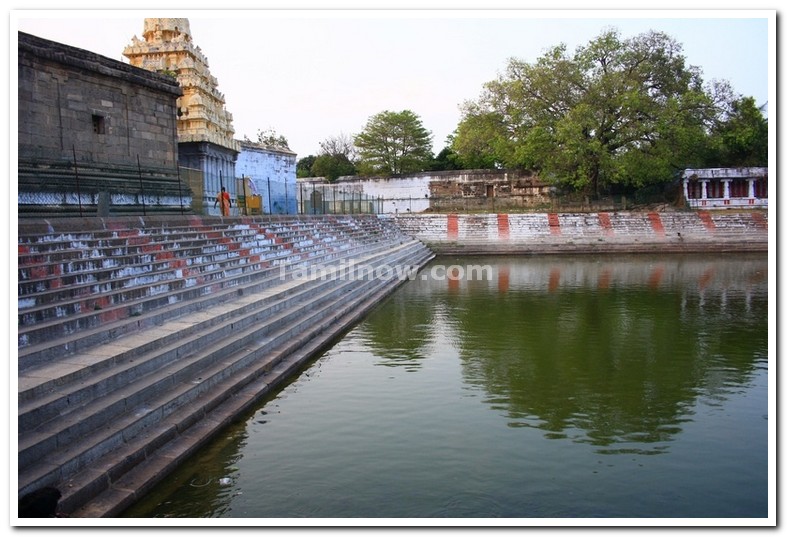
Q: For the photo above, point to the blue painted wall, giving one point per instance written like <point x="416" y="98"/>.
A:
<point x="272" y="174"/>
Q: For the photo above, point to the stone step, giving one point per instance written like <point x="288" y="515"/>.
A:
<point x="103" y="404"/>
<point x="180" y="389"/>
<point x="548" y="229"/>
<point x="88" y="256"/>
<point x="46" y="390"/>
<point x="70" y="317"/>
<point x="68" y="292"/>
<point x="38" y="251"/>
<point x="93" y="264"/>
<point x="106" y="490"/>
<point x="66" y="336"/>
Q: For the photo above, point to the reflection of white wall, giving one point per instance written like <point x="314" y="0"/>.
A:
<point x="738" y="278"/>
<point x="272" y="172"/>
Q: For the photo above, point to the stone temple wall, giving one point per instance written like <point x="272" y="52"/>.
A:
<point x="107" y="111"/>
<point x="94" y="134"/>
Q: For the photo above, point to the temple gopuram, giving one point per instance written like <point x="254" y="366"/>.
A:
<point x="205" y="132"/>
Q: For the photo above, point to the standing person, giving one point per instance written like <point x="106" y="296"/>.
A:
<point x="223" y="198"/>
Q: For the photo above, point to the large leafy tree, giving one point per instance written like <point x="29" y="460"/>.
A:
<point x="741" y="137"/>
<point x="482" y="139"/>
<point x="394" y="143"/>
<point x="617" y="111"/>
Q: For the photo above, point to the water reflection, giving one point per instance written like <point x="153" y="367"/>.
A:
<point x="401" y="336"/>
<point x="610" y="352"/>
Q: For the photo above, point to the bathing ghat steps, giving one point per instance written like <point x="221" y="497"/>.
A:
<point x="195" y="324"/>
<point x="602" y="232"/>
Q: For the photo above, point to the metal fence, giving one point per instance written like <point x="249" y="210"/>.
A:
<point x="61" y="188"/>
<point x="316" y="199"/>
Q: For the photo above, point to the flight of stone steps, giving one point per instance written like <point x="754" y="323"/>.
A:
<point x="540" y="233"/>
<point x="137" y="343"/>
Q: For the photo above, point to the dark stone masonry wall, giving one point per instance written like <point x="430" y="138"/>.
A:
<point x="90" y="129"/>
<point x="108" y="111"/>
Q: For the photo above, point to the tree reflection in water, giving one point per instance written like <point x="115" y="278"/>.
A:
<point x="609" y="351"/>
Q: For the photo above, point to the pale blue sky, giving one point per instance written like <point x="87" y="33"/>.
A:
<point x="311" y="75"/>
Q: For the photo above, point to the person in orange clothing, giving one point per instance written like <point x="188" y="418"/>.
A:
<point x="223" y="198"/>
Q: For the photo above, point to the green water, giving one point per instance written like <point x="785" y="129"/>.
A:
<point x="554" y="387"/>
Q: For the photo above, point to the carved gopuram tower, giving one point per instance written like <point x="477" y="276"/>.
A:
<point x="205" y="132"/>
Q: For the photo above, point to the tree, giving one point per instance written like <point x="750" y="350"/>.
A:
<point x="741" y="138"/>
<point x="617" y="111"/>
<point x="270" y="137"/>
<point x="303" y="168"/>
<point x="332" y="167"/>
<point x="394" y="143"/>
<point x="341" y="145"/>
<point x="447" y="159"/>
<point x="481" y="141"/>
<point x="337" y="157"/>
